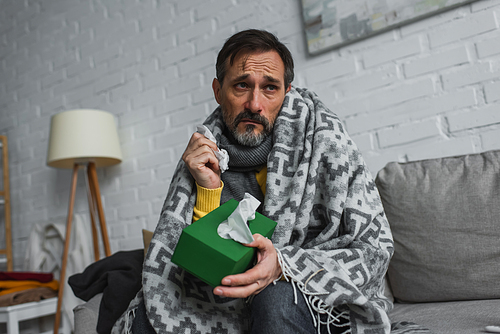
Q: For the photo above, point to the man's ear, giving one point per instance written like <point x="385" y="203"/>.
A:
<point x="217" y="90"/>
<point x="289" y="87"/>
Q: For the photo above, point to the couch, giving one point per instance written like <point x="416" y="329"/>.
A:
<point x="445" y="219"/>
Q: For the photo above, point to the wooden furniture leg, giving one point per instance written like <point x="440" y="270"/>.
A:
<point x="5" y="194"/>
<point x="67" y="240"/>
<point x="98" y="204"/>
<point x="92" y="208"/>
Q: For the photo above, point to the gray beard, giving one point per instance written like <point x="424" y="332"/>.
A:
<point x="248" y="138"/>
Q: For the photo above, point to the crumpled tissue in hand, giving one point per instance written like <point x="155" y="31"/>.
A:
<point x="235" y="227"/>
<point x="221" y="154"/>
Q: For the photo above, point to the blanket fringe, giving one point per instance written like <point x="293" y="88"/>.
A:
<point x="130" y="315"/>
<point x="313" y="302"/>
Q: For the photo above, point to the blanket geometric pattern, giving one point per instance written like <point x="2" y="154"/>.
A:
<point x="333" y="239"/>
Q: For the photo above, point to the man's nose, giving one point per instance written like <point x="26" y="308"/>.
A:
<point x="254" y="103"/>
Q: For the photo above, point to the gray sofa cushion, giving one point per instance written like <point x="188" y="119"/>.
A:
<point x="464" y="317"/>
<point x="86" y="316"/>
<point x="445" y="218"/>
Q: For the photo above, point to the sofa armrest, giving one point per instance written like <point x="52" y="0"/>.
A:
<point x="86" y="316"/>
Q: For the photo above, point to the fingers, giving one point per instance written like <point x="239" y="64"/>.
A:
<point x="238" y="291"/>
<point x="249" y="283"/>
<point x="199" y="144"/>
<point x="200" y="159"/>
<point x="202" y="162"/>
<point x="198" y="140"/>
<point x="257" y="278"/>
<point x="260" y="242"/>
<point x="265" y="253"/>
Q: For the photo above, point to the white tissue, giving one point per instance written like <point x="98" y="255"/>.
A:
<point x="235" y="227"/>
<point x="221" y="154"/>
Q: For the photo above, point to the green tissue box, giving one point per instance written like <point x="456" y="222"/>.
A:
<point x="203" y="253"/>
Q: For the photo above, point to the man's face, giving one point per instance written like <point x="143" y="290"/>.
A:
<point x="251" y="96"/>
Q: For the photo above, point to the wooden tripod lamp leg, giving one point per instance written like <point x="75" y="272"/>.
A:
<point x="67" y="240"/>
<point x="6" y="197"/>
<point x="92" y="209"/>
<point x="96" y="194"/>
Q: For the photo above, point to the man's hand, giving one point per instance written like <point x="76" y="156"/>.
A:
<point x="202" y="162"/>
<point x="257" y="278"/>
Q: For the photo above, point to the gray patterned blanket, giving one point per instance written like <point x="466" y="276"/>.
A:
<point x="332" y="235"/>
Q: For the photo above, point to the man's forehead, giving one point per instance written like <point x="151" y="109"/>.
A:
<point x="269" y="63"/>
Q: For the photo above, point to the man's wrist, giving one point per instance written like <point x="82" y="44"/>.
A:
<point x="209" y="184"/>
<point x="219" y="188"/>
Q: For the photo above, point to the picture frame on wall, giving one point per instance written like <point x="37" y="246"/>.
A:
<point x="330" y="24"/>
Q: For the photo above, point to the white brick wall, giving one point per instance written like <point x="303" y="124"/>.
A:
<point x="424" y="90"/>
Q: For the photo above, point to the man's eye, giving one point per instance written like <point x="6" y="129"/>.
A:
<point x="241" y="85"/>
<point x="271" y="87"/>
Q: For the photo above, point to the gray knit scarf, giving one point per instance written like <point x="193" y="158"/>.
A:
<point x="244" y="162"/>
<point x="333" y="239"/>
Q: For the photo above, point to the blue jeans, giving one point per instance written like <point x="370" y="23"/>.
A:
<point x="141" y="324"/>
<point x="274" y="312"/>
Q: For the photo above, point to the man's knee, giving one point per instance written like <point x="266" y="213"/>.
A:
<point x="274" y="301"/>
<point x="279" y="309"/>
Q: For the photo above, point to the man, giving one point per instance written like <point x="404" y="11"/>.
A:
<point x="324" y="267"/>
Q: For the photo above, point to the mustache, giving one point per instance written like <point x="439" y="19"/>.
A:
<point x="252" y="116"/>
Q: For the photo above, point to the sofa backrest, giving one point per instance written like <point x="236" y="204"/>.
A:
<point x="445" y="219"/>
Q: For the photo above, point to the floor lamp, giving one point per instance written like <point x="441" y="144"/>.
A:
<point x="83" y="138"/>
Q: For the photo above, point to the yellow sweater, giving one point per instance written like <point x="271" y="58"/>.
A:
<point x="209" y="199"/>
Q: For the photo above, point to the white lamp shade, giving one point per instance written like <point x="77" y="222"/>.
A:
<point x="83" y="135"/>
